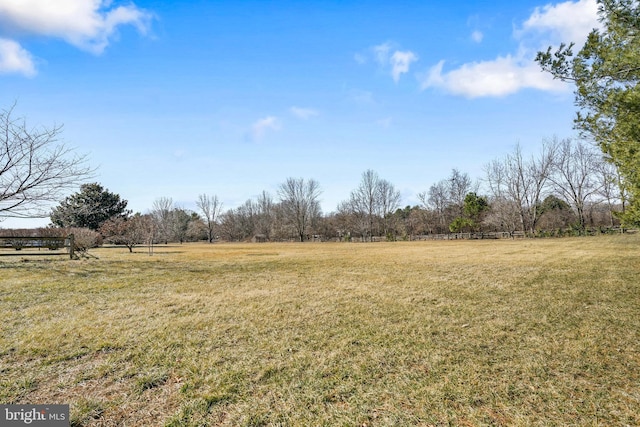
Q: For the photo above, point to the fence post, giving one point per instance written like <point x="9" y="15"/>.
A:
<point x="71" y="245"/>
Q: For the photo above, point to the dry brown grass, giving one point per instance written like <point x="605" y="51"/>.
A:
<point x="531" y="332"/>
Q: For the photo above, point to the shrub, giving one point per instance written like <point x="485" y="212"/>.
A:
<point x="84" y="239"/>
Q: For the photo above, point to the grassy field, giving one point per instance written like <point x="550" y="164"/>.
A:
<point x="466" y="333"/>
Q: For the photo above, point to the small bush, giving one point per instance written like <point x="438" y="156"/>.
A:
<point x="85" y="239"/>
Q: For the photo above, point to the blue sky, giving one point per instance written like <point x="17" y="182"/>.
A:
<point x="179" y="98"/>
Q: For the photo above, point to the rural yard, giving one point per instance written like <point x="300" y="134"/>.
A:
<point x="292" y="214"/>
<point x="471" y="333"/>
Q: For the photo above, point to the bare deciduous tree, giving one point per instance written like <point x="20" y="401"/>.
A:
<point x="364" y="200"/>
<point x="129" y="232"/>
<point x="264" y="215"/>
<point x="388" y="202"/>
<point x="161" y="213"/>
<point x="503" y="215"/>
<point x="210" y="208"/>
<point x="299" y="201"/>
<point x="459" y="185"/>
<point x="371" y="204"/>
<point x="520" y="183"/>
<point x="446" y="198"/>
<point x="611" y="190"/>
<point x="436" y="200"/>
<point x="574" y="177"/>
<point x="351" y="219"/>
<point x="36" y="169"/>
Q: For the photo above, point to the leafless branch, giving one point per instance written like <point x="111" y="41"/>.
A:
<point x="36" y="168"/>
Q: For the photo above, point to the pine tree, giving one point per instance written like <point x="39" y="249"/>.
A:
<point x="89" y="208"/>
<point x="606" y="72"/>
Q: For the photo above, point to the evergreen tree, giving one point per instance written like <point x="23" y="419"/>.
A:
<point x="89" y="208"/>
<point x="474" y="209"/>
<point x="606" y="72"/>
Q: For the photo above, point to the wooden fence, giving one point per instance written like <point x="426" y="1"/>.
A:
<point x="39" y="243"/>
<point x="472" y="236"/>
<point x="590" y="231"/>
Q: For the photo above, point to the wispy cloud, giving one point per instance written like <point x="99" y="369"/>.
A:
<point x="392" y="60"/>
<point x="361" y="97"/>
<point x="477" y="36"/>
<point x="360" y="58"/>
<point x="262" y="126"/>
<point x="505" y="75"/>
<point x="86" y="24"/>
<point x="400" y="62"/>
<point x="15" y="59"/>
<point x="381" y="53"/>
<point x="303" y="113"/>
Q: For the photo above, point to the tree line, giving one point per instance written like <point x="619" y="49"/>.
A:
<point x="567" y="183"/>
<point x="567" y="186"/>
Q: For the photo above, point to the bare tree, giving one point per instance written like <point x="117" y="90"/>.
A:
<point x="254" y="218"/>
<point x="388" y="201"/>
<point x="351" y="218"/>
<point x="246" y="216"/>
<point x="161" y="213"/>
<point x="210" y="208"/>
<point x="36" y="169"/>
<point x="371" y="205"/>
<point x="241" y="223"/>
<point x="611" y="188"/>
<point x="506" y="193"/>
<point x="521" y="184"/>
<point x="446" y="198"/>
<point x="228" y="225"/>
<point x="364" y="200"/>
<point x="299" y="200"/>
<point x="129" y="232"/>
<point x="503" y="215"/>
<point x="436" y="200"/>
<point x="264" y="215"/>
<point x="575" y="173"/>
<point x="459" y="184"/>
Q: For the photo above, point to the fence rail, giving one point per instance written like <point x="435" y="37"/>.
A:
<point x="591" y="231"/>
<point x="51" y="243"/>
<point x="472" y="236"/>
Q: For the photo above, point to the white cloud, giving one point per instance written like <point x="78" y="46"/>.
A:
<point x="360" y="58"/>
<point x="15" y="59"/>
<point x="477" y="36"/>
<point x="391" y="60"/>
<point x="500" y="77"/>
<point x="400" y="62"/>
<point x="381" y="53"/>
<point x="87" y="24"/>
<point x="568" y="21"/>
<point x="505" y="75"/>
<point x="260" y="127"/>
<point x="303" y="113"/>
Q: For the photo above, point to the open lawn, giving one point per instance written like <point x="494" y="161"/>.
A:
<point x="468" y="333"/>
